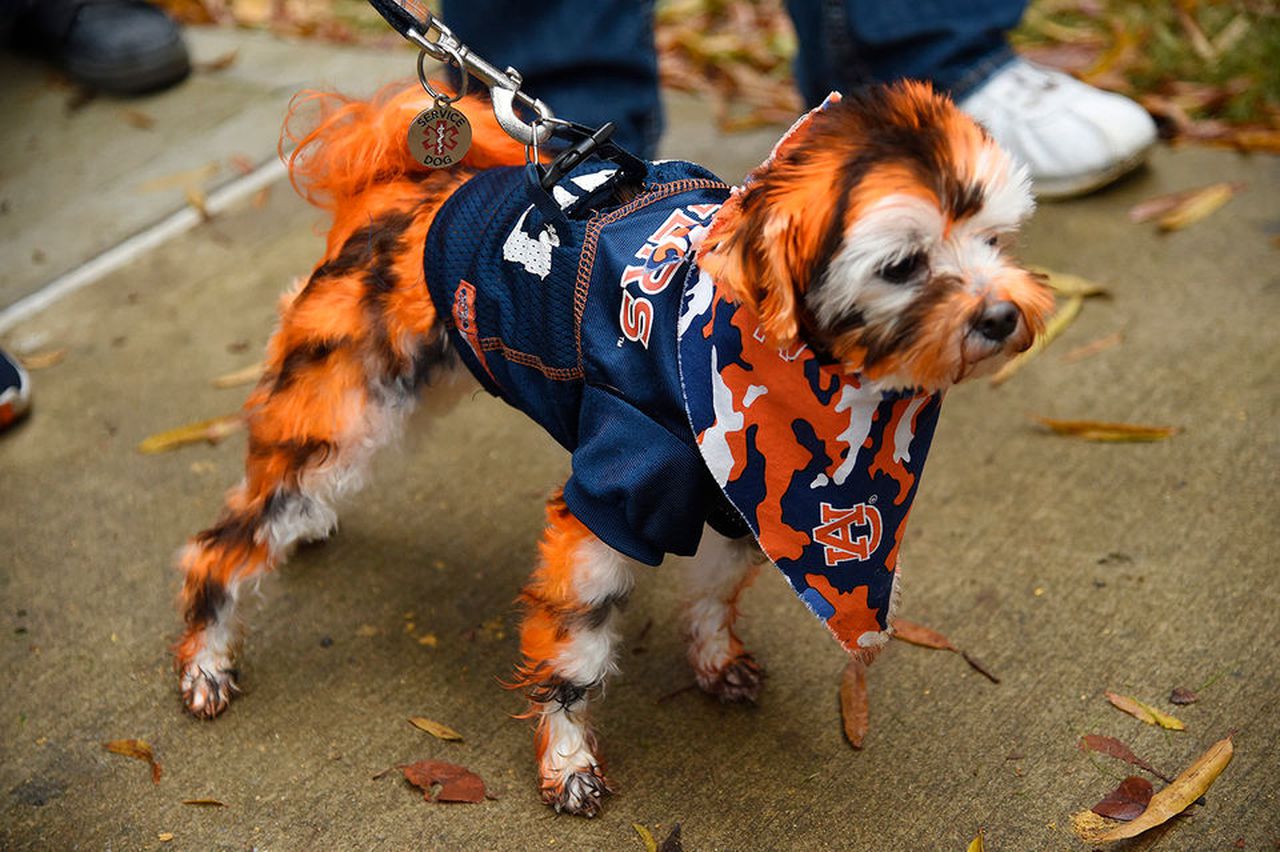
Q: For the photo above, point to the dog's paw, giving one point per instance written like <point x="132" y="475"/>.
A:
<point x="738" y="681"/>
<point x="206" y="693"/>
<point x="581" y="792"/>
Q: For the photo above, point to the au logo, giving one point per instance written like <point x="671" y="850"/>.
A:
<point x="848" y="534"/>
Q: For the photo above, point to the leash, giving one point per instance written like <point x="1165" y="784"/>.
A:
<point x="440" y="136"/>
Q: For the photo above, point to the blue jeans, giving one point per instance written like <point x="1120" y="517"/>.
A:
<point x="594" y="60"/>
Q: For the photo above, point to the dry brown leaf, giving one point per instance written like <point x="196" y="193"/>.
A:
<point x="205" y="803"/>
<point x="1093" y="347"/>
<point x="244" y="376"/>
<point x="212" y="431"/>
<point x="1183" y="696"/>
<point x="1189" y="786"/>
<point x="977" y="844"/>
<point x="138" y="750"/>
<point x="1113" y="747"/>
<point x="646" y="837"/>
<point x="927" y="637"/>
<point x="1197" y="206"/>
<point x="1162" y="205"/>
<point x="1095" y="430"/>
<point x="457" y="783"/>
<point x="1057" y="323"/>
<point x="137" y="118"/>
<point x="45" y="359"/>
<point x="165" y="836"/>
<point x="918" y="634"/>
<point x="198" y="201"/>
<point x="1144" y="712"/>
<point x="435" y="729"/>
<point x="1127" y="801"/>
<point x="853" y="701"/>
<point x="220" y="63"/>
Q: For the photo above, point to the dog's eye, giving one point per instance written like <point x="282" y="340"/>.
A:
<point x="993" y="240"/>
<point x="902" y="271"/>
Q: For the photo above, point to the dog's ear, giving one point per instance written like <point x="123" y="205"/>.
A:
<point x="767" y="236"/>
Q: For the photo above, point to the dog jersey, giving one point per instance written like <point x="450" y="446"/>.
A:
<point x="567" y="309"/>
<point x="593" y="319"/>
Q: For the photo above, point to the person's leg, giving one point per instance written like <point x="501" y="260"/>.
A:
<point x="845" y="44"/>
<point x="590" y="62"/>
<point x="1072" y="137"/>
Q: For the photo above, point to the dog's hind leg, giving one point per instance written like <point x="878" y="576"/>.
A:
<point x="567" y="639"/>
<point x="342" y="372"/>
<point x="714" y="579"/>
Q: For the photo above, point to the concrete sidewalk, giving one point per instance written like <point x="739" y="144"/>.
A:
<point x="1070" y="568"/>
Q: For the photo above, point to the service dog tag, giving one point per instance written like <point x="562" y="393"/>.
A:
<point x="440" y="136"/>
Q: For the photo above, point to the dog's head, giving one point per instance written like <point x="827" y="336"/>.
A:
<point x="876" y="235"/>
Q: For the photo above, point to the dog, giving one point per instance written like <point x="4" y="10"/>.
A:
<point x="753" y="376"/>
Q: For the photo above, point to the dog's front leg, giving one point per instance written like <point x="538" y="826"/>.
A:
<point x="714" y="579"/>
<point x="567" y="639"/>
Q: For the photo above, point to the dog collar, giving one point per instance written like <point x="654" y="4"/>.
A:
<point x="822" y="466"/>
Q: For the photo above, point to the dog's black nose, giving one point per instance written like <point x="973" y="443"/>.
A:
<point x="997" y="321"/>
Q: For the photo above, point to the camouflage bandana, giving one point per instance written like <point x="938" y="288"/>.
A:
<point x="822" y="469"/>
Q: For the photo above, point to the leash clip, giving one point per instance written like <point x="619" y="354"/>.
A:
<point x="413" y="20"/>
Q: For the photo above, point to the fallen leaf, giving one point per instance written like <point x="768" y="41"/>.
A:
<point x="1189" y="786"/>
<point x="45" y="359"/>
<point x="1197" y="206"/>
<point x="1057" y="323"/>
<point x="1093" y="347"/>
<point x="457" y="783"/>
<point x="367" y="630"/>
<point x="220" y="63"/>
<point x="137" y="118"/>
<point x="853" y="701"/>
<point x="1161" y="205"/>
<point x="212" y="430"/>
<point x="1113" y="747"/>
<point x="261" y="197"/>
<point x="673" y="843"/>
<point x="205" y="803"/>
<point x="435" y="729"/>
<point x="1183" y="696"/>
<point x="164" y="836"/>
<point x="1094" y="430"/>
<point x="138" y="750"/>
<point x="1144" y="712"/>
<point x="1126" y="802"/>
<point x="198" y="201"/>
<point x="977" y="844"/>
<point x="244" y="376"/>
<point x="918" y="634"/>
<point x="927" y="637"/>
<point x="1066" y="284"/>
<point x="429" y="640"/>
<point x="646" y="837"/>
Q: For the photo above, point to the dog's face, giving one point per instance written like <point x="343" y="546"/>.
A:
<point x="876" y="234"/>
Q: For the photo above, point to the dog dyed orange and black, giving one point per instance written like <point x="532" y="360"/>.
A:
<point x="870" y="240"/>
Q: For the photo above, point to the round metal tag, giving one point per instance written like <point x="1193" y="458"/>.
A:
<point x="439" y="137"/>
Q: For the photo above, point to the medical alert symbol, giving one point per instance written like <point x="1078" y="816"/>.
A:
<point x="439" y="137"/>
<point x="838" y="533"/>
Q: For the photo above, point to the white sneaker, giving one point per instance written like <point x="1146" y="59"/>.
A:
<point x="1074" y="138"/>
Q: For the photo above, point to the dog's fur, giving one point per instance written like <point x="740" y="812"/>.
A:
<point x="872" y="234"/>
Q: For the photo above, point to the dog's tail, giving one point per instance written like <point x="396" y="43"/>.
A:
<point x="358" y="143"/>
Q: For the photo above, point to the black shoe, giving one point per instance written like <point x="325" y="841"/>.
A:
<point x="123" y="47"/>
<point x="15" y="391"/>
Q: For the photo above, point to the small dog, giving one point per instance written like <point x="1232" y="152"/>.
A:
<point x="740" y="374"/>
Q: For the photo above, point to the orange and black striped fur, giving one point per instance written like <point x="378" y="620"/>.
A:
<point x="860" y="235"/>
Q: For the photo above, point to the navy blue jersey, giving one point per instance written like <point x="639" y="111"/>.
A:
<point x="567" y="309"/>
